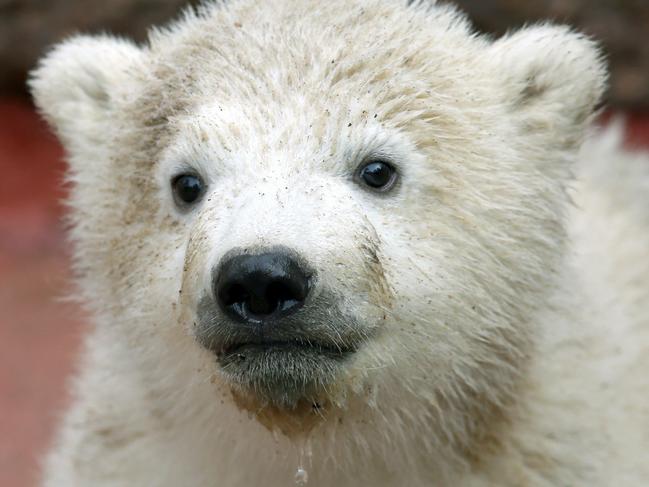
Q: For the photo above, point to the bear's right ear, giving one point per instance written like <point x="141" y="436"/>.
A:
<point x="76" y="84"/>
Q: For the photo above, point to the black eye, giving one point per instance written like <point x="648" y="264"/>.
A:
<point x="187" y="188"/>
<point x="378" y="175"/>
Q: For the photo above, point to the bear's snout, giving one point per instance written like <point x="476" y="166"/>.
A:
<point x="277" y="327"/>
<point x="262" y="287"/>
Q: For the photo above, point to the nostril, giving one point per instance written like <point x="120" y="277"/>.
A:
<point x="276" y="296"/>
<point x="233" y="294"/>
<point x="283" y="295"/>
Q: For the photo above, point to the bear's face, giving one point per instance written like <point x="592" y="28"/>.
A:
<point x="338" y="203"/>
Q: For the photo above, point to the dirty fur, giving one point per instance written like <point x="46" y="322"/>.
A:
<point x="499" y="291"/>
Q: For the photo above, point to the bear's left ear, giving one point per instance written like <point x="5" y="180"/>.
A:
<point x="76" y="85"/>
<point x="553" y="77"/>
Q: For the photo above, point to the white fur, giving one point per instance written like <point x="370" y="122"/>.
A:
<point x="507" y="299"/>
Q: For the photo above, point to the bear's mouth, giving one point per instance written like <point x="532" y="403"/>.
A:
<point x="299" y="358"/>
<point x="282" y="373"/>
<point x="241" y="350"/>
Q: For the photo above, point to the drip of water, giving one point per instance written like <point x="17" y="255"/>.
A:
<point x="304" y="450"/>
<point x="301" y="476"/>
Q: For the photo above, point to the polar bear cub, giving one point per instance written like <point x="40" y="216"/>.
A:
<point x="352" y="239"/>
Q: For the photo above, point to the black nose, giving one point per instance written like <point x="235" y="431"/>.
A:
<point x="261" y="287"/>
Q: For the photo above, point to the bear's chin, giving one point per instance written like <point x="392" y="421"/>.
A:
<point x="286" y="387"/>
<point x="295" y="422"/>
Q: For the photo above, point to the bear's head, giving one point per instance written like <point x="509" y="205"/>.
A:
<point x="330" y="209"/>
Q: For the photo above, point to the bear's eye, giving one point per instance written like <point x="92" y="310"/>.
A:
<point x="378" y="175"/>
<point x="187" y="188"/>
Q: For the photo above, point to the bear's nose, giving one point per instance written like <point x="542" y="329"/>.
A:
<point x="261" y="287"/>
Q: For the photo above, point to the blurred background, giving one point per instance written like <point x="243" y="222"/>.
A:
<point x="41" y="332"/>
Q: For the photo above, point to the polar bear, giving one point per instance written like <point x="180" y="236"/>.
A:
<point x="341" y="243"/>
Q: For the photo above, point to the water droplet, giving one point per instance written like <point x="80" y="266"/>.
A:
<point x="305" y="460"/>
<point x="301" y="476"/>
